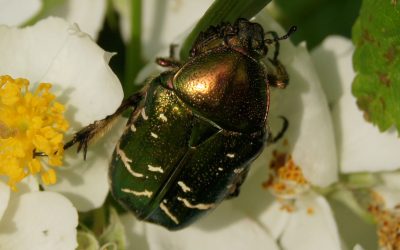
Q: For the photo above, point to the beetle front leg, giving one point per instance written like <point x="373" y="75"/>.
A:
<point x="277" y="75"/>
<point x="171" y="61"/>
<point x="98" y="128"/>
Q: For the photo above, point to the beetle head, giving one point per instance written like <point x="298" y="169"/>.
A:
<point x="243" y="36"/>
<point x="248" y="38"/>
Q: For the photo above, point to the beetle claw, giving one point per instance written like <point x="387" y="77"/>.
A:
<point x="83" y="138"/>
<point x="98" y="128"/>
<point x="285" y="126"/>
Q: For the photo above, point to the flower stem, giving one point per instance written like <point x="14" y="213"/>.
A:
<point x="99" y="220"/>
<point x="133" y="61"/>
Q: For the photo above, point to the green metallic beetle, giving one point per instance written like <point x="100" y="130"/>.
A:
<point x="196" y="128"/>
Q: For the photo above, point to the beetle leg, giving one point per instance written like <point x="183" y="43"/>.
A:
<point x="276" y="138"/>
<point x="275" y="40"/>
<point x="171" y="61"/>
<point x="235" y="188"/>
<point x="38" y="154"/>
<point x="278" y="76"/>
<point x="98" y="128"/>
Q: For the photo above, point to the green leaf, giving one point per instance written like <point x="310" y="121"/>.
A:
<point x="222" y="11"/>
<point x="316" y="19"/>
<point x="133" y="58"/>
<point x="376" y="60"/>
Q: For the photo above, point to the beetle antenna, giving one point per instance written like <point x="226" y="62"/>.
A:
<point x="277" y="38"/>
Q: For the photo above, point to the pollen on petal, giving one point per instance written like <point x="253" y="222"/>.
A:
<point x="32" y="127"/>
<point x="388" y="222"/>
<point x="286" y="180"/>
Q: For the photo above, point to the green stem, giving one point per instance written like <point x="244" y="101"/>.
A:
<point x="133" y="61"/>
<point x="347" y="198"/>
<point x="99" y="220"/>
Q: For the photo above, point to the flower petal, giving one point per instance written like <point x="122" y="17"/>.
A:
<point x="54" y="51"/>
<point x="89" y="14"/>
<point x="361" y="146"/>
<point x="311" y="226"/>
<point x="163" y="21"/>
<point x="4" y="197"/>
<point x="275" y="219"/>
<point x="358" y="247"/>
<point x="225" y="228"/>
<point x="135" y="232"/>
<point x="16" y="12"/>
<point x="257" y="202"/>
<point x="354" y="229"/>
<point x="310" y="134"/>
<point x="85" y="183"/>
<point x="389" y="190"/>
<point x="28" y="184"/>
<point x="39" y="220"/>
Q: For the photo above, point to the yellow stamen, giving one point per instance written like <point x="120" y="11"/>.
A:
<point x="49" y="177"/>
<point x="388" y="222"/>
<point x="286" y="180"/>
<point x="31" y="131"/>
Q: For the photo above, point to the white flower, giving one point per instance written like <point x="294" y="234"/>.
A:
<point x="37" y="220"/>
<point x="53" y="51"/>
<point x="89" y="14"/>
<point x="163" y="21"/>
<point x="17" y="12"/>
<point x="361" y="147"/>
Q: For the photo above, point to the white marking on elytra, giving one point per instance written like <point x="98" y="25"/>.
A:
<point x="184" y="187"/>
<point x="238" y="170"/>
<point x="145" y="117"/>
<point x="154" y="135"/>
<point x="163" y="117"/>
<point x="168" y="213"/>
<point x="127" y="162"/>
<point x="230" y="155"/>
<point x="220" y="169"/>
<point x="165" y="201"/>
<point x="155" y="169"/>
<point x="200" y="206"/>
<point x="146" y="192"/>
<point x="133" y="128"/>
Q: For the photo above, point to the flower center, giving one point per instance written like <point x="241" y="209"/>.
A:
<point x="31" y="126"/>
<point x="286" y="180"/>
<point x="388" y="222"/>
